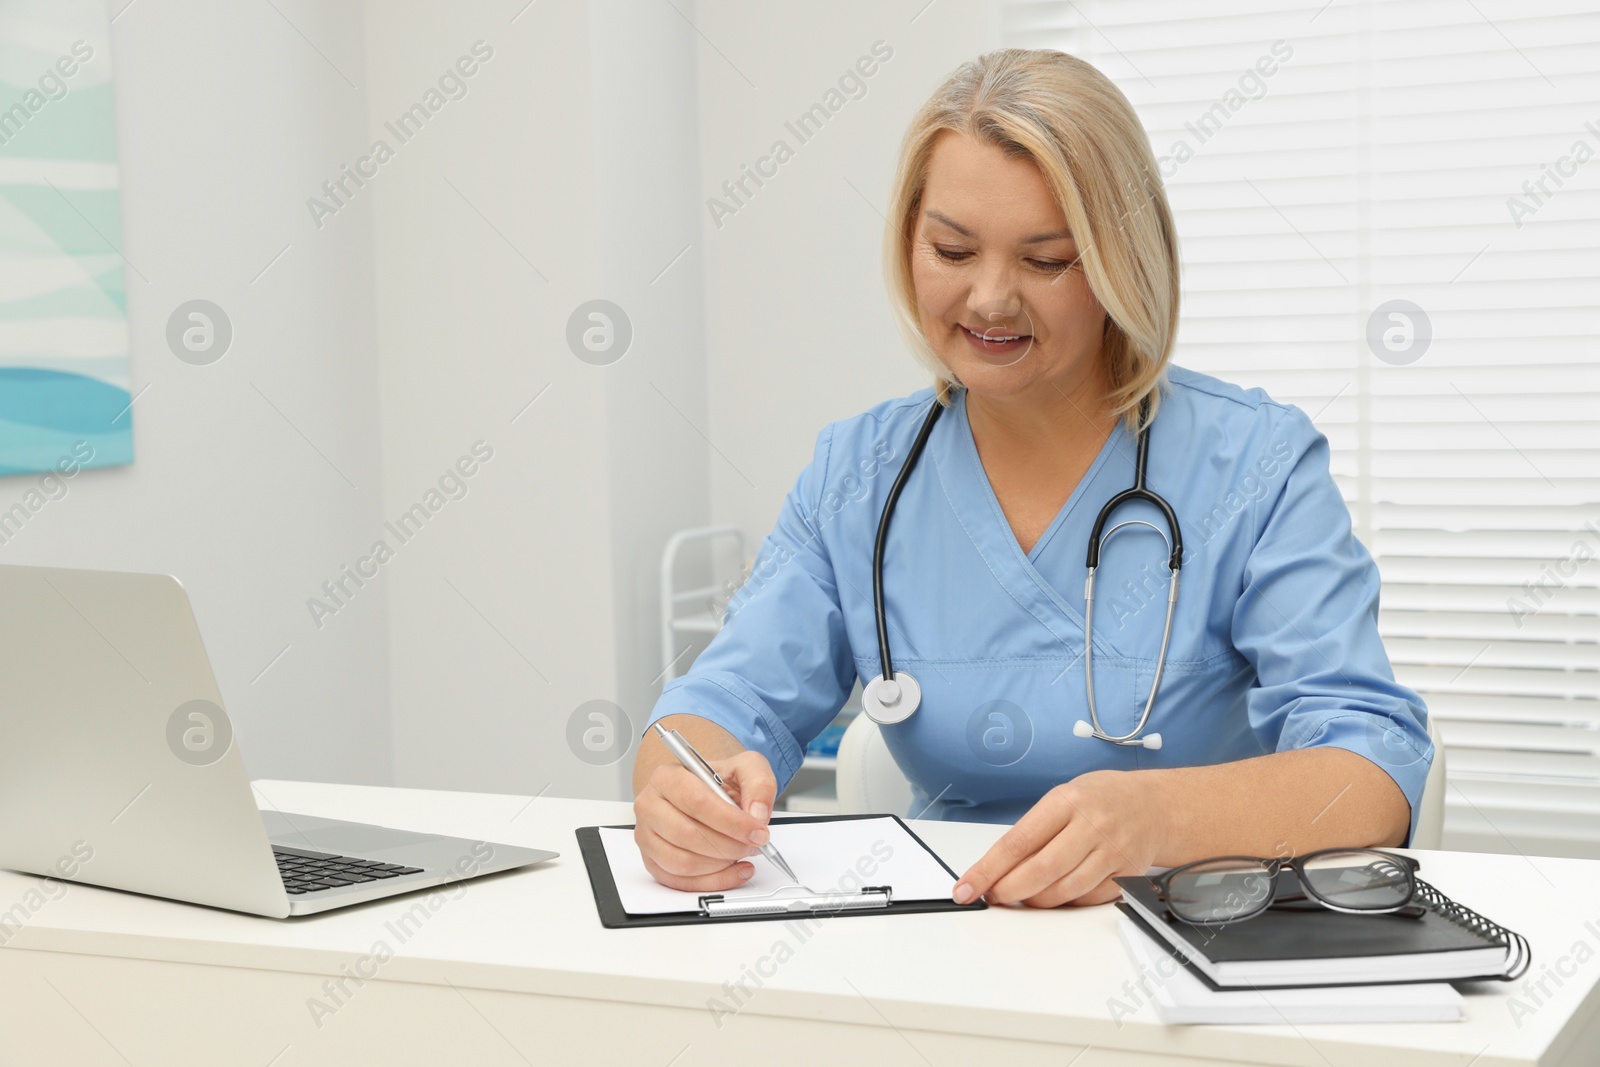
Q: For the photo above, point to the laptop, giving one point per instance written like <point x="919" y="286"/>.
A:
<point x="119" y="766"/>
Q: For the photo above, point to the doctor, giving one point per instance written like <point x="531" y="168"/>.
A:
<point x="1033" y="265"/>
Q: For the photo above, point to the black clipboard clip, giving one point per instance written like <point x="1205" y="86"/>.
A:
<point x="797" y="899"/>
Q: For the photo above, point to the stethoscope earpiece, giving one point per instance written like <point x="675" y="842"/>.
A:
<point x="1083" y="729"/>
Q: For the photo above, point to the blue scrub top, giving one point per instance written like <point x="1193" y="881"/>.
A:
<point x="1274" y="644"/>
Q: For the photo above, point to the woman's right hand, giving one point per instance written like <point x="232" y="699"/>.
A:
<point x="693" y="840"/>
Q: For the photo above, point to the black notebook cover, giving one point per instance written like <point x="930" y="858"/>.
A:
<point x="1163" y="945"/>
<point x="1304" y="932"/>
<point x="612" y="915"/>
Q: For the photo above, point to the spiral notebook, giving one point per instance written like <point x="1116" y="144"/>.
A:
<point x="1314" y="946"/>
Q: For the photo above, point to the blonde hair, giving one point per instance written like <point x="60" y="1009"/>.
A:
<point x="1080" y="131"/>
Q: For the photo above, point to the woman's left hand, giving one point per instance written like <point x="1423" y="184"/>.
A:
<point x="1069" y="845"/>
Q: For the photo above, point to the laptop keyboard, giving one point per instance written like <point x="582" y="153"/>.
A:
<point x="304" y="871"/>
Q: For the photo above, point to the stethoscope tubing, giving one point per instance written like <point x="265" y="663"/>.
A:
<point x="1132" y="736"/>
<point x="882" y="539"/>
<point x="1097" y="539"/>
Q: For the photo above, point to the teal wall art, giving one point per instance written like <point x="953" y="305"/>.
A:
<point x="64" y="378"/>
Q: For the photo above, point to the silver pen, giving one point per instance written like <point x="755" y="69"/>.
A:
<point x="680" y="747"/>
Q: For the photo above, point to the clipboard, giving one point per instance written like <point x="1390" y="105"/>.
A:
<point x="736" y="906"/>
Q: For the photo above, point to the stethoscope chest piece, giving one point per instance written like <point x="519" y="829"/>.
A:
<point x="888" y="701"/>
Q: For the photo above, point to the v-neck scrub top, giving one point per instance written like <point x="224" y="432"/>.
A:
<point x="1274" y="643"/>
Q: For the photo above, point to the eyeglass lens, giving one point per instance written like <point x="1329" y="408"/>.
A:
<point x="1219" y="889"/>
<point x="1222" y="889"/>
<point x="1360" y="881"/>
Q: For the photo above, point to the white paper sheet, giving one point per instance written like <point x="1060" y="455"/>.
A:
<point x="1180" y="997"/>
<point x="827" y="856"/>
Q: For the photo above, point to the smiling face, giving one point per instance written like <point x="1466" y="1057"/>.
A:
<point x="1000" y="295"/>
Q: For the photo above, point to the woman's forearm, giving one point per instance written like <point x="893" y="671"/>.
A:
<point x="1280" y="804"/>
<point x="709" y="739"/>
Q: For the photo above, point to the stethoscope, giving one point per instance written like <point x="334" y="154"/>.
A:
<point x="892" y="696"/>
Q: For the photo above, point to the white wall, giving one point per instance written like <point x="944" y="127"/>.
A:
<point x="535" y="593"/>
<point x="647" y="182"/>
<point x="226" y="122"/>
<point x="424" y="315"/>
<point x="798" y="323"/>
<point x="591" y="142"/>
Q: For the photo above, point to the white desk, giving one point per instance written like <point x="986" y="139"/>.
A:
<point x="517" y="969"/>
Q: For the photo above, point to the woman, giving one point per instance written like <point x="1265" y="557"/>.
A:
<point x="1034" y="268"/>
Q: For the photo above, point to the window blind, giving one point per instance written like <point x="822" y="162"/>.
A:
<point x="1325" y="160"/>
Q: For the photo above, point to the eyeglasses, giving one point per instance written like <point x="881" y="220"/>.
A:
<point x="1361" y="881"/>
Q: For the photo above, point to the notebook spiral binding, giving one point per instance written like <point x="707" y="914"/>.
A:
<point x="1518" y="952"/>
